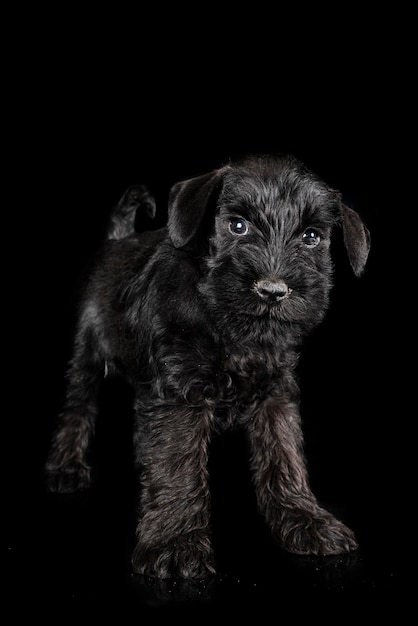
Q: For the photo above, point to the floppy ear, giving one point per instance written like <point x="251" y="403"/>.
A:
<point x="187" y="204"/>
<point x="356" y="239"/>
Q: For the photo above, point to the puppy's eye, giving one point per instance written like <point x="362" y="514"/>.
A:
<point x="311" y="237"/>
<point x="238" y="226"/>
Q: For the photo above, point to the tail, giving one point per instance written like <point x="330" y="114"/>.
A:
<point x="122" y="218"/>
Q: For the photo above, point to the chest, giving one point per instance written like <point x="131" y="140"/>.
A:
<point x="247" y="380"/>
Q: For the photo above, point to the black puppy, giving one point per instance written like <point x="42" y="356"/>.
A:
<point x="206" y="318"/>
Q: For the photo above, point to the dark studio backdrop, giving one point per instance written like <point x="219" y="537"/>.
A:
<point x="75" y="151"/>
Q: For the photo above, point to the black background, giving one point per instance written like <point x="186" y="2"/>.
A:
<point x="81" y="126"/>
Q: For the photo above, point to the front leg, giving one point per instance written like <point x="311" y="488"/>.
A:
<point x="284" y="497"/>
<point x="174" y="517"/>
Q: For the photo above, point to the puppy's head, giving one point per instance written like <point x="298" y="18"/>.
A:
<point x="268" y="222"/>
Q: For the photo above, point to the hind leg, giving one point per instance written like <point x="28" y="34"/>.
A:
<point x="67" y="468"/>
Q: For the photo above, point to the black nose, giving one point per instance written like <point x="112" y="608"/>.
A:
<point x="272" y="289"/>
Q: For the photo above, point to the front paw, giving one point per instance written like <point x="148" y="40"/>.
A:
<point x="304" y="532"/>
<point x="174" y="560"/>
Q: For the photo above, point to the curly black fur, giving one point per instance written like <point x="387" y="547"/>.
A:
<point x="205" y="318"/>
